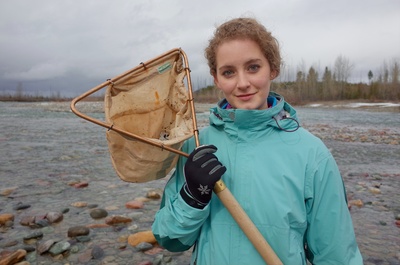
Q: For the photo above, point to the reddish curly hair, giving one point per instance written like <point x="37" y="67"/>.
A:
<point x="244" y="28"/>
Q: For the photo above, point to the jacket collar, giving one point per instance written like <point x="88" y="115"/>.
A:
<point x="254" y="120"/>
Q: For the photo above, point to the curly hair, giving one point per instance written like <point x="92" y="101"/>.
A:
<point x="244" y="28"/>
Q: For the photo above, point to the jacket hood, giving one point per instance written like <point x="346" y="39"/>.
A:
<point x="282" y="116"/>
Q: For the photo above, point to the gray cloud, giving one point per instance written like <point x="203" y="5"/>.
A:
<point x="53" y="41"/>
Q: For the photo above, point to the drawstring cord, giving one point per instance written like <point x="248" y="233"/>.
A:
<point x="282" y="116"/>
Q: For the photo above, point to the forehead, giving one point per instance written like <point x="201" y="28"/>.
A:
<point x="236" y="51"/>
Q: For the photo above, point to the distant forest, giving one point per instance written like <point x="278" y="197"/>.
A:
<point x="331" y="86"/>
<point x="307" y="86"/>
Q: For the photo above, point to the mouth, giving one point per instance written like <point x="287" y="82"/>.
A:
<point x="246" y="97"/>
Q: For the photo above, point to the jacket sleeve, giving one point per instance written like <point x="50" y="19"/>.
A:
<point x="177" y="225"/>
<point x="330" y="237"/>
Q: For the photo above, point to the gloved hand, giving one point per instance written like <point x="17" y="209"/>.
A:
<point x="202" y="170"/>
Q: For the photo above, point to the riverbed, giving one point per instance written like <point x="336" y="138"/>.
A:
<point x="46" y="150"/>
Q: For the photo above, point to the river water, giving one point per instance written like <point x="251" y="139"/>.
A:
<point x="44" y="147"/>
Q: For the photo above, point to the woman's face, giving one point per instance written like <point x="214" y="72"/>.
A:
<point x="243" y="74"/>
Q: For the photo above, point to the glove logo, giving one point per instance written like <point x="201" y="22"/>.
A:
<point x="204" y="189"/>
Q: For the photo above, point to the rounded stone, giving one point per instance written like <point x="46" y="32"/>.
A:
<point x="98" y="213"/>
<point x="78" y="231"/>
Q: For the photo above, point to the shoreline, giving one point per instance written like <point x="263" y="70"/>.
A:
<point x="98" y="106"/>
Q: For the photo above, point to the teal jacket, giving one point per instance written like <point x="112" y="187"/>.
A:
<point x="285" y="179"/>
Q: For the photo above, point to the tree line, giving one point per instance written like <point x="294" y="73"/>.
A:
<point x="330" y="85"/>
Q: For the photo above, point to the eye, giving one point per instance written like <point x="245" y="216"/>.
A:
<point x="253" y="68"/>
<point x="227" y="73"/>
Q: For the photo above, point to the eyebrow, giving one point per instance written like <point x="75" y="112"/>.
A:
<point x="250" y="61"/>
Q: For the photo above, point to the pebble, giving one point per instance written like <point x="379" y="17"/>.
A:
<point x="144" y="246"/>
<point x="54" y="217"/>
<point x="357" y="203"/>
<point x="28" y="248"/>
<point x="14" y="257"/>
<point x="97" y="252"/>
<point x="47" y="230"/>
<point x="45" y="246"/>
<point x="97" y="225"/>
<point x="153" y="195"/>
<point x="83" y="238"/>
<point x="85" y="257"/>
<point x="374" y="190"/>
<point x="41" y="223"/>
<point x="134" y="204"/>
<point x="98" y="213"/>
<point x="117" y="219"/>
<point x="140" y="237"/>
<point x="78" y="231"/>
<point x="81" y="185"/>
<point x="8" y="243"/>
<point x="5" y="217"/>
<point x="79" y="204"/>
<point x="7" y="191"/>
<point x="59" y="247"/>
<point x="75" y="248"/>
<point x="27" y="220"/>
<point x="34" y="235"/>
<point x="21" y="206"/>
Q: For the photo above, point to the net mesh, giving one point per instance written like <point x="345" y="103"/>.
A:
<point x="151" y="103"/>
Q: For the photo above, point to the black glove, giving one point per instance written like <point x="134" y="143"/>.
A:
<point x="202" y="170"/>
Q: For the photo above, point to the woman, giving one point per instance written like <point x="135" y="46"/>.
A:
<point x="284" y="177"/>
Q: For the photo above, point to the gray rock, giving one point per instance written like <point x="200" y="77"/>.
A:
<point x="21" y="206"/>
<point x="47" y="230"/>
<point x="34" y="235"/>
<point x="97" y="252"/>
<point x="76" y="248"/>
<point x="85" y="257"/>
<point x="144" y="246"/>
<point x="98" y="213"/>
<point x="8" y="243"/>
<point x="42" y="223"/>
<point x="45" y="246"/>
<point x="60" y="247"/>
<point x="54" y="217"/>
<point x="29" y="248"/>
<point x="27" y="220"/>
<point x="83" y="238"/>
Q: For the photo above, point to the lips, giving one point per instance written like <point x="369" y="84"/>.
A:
<point x="245" y="97"/>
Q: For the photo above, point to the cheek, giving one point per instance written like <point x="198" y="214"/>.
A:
<point x="226" y="86"/>
<point x="262" y="83"/>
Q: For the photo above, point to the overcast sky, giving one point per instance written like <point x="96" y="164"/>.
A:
<point x="72" y="46"/>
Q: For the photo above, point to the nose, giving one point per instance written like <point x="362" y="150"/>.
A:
<point x="242" y="81"/>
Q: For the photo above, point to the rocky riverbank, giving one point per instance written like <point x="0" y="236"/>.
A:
<point x="62" y="203"/>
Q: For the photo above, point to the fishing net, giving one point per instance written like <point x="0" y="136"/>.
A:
<point x="151" y="102"/>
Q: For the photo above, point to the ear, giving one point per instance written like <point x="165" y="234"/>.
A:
<point x="273" y="75"/>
